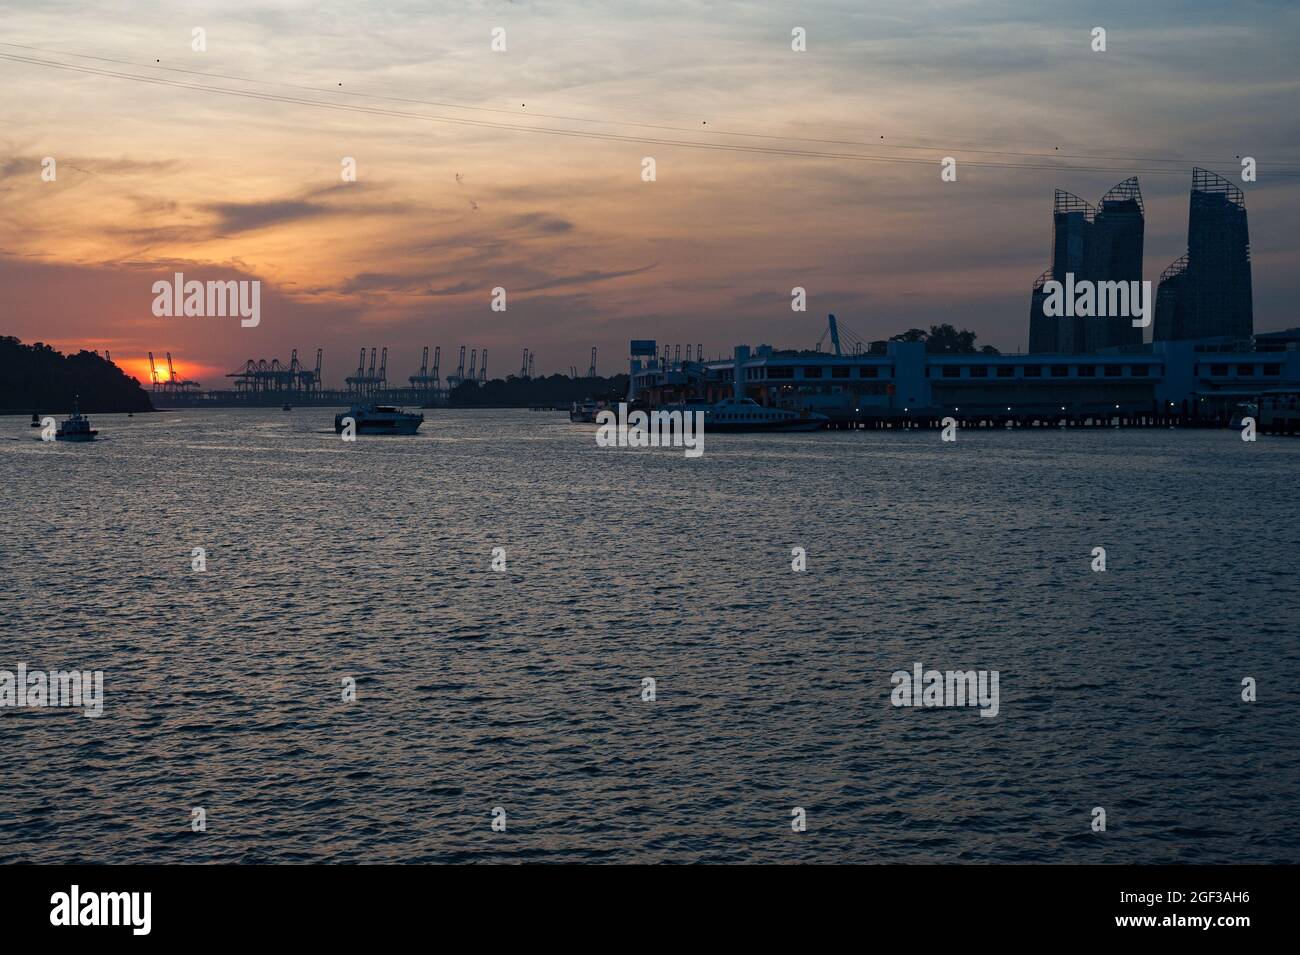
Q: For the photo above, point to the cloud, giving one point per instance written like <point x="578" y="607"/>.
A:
<point x="382" y="281"/>
<point x="540" y="222"/>
<point x="585" y="278"/>
<point x="235" y="217"/>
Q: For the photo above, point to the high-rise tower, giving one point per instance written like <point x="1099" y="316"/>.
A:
<point x="1207" y="292"/>
<point x="1097" y="244"/>
<point x="1118" y="232"/>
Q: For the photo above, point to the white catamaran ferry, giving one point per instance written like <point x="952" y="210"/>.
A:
<point x="379" y="419"/>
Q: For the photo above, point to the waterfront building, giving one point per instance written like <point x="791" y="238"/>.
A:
<point x="1188" y="379"/>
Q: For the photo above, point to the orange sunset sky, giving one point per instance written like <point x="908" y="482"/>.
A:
<point x="522" y="169"/>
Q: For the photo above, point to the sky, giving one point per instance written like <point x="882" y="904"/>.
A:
<point x="523" y="168"/>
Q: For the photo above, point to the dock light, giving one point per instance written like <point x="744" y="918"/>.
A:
<point x="1008" y="407"/>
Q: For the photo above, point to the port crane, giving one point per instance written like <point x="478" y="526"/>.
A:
<point x="456" y="379"/>
<point x="591" y="372"/>
<point x="422" y="380"/>
<point x="367" y="381"/>
<point x="175" y="384"/>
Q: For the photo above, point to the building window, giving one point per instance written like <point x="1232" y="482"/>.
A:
<point x="779" y="371"/>
<point x="1085" y="371"/>
<point x="1218" y="369"/>
<point x="1139" y="371"/>
<point x="1272" y="369"/>
<point x="867" y="372"/>
<point x="815" y="372"/>
<point x="1033" y="371"/>
<point x="979" y="371"/>
<point x="840" y="371"/>
<point x="1006" y="371"/>
<point x="952" y="371"/>
<point x="1114" y="371"/>
<point x="1060" y="371"/>
<point x="1245" y="371"/>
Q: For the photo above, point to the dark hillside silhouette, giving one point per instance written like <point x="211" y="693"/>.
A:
<point x="38" y="378"/>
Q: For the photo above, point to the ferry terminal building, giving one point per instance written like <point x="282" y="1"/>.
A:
<point x="1191" y="381"/>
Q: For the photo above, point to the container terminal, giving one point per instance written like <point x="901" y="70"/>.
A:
<point x="263" y="383"/>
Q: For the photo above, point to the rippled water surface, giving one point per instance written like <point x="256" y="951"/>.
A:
<point x="522" y="689"/>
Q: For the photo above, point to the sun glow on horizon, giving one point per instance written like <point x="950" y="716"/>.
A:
<point x="138" y="368"/>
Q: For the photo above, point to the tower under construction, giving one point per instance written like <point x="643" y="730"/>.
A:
<point x="1206" y="293"/>
<point x="1101" y="243"/>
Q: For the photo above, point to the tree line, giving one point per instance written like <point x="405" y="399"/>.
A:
<point x="38" y="378"/>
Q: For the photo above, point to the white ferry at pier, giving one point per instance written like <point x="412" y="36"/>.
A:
<point x="746" y="414"/>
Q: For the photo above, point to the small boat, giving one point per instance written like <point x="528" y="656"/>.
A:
<point x="287" y="408"/>
<point x="585" y="411"/>
<point x="1243" y="410"/>
<point x="36" y="420"/>
<point x="75" y="428"/>
<point x="379" y="419"/>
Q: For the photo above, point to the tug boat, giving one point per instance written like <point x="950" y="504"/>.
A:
<point x="75" y="428"/>
<point x="379" y="419"/>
